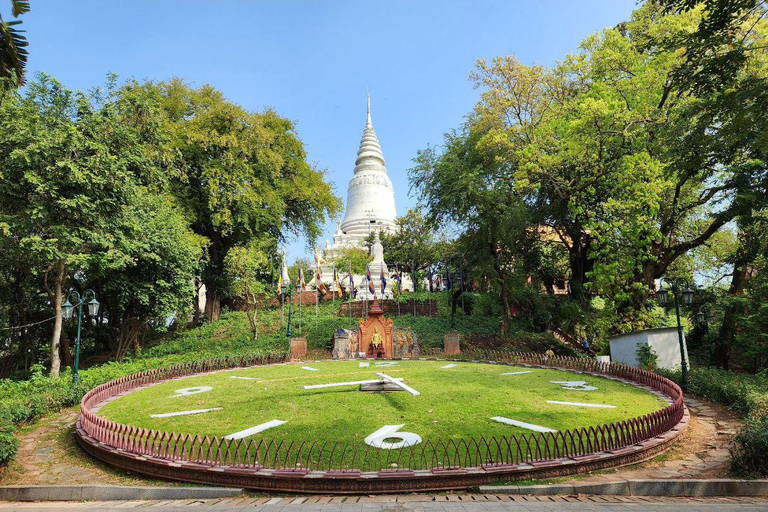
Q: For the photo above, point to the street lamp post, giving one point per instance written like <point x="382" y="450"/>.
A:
<point x="69" y="307"/>
<point x="663" y="296"/>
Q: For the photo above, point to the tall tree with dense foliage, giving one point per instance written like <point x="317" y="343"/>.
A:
<point x="68" y="169"/>
<point x="468" y="186"/>
<point x="242" y="176"/>
<point x="611" y="157"/>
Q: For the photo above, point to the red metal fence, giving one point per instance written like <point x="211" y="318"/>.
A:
<point x="430" y="454"/>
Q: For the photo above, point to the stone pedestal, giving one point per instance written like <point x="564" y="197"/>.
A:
<point x="298" y="347"/>
<point x="345" y="344"/>
<point x="451" y="343"/>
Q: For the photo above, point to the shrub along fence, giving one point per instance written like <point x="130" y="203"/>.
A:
<point x="317" y="455"/>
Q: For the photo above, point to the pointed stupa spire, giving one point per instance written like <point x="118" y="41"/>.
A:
<point x="369" y="156"/>
<point x="368" y="121"/>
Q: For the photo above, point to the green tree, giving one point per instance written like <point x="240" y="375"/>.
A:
<point x="249" y="268"/>
<point x="69" y="164"/>
<point x="611" y="158"/>
<point x="152" y="279"/>
<point x="466" y="186"/>
<point x="414" y="245"/>
<point x="242" y="176"/>
<point x="354" y="256"/>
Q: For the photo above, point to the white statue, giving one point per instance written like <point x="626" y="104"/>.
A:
<point x="319" y="260"/>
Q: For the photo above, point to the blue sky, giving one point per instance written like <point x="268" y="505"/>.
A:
<point x="312" y="60"/>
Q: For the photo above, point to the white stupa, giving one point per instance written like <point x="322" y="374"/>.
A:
<point x="370" y="209"/>
<point x="370" y="196"/>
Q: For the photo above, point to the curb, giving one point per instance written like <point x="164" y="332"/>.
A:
<point x="110" y="493"/>
<point x="683" y="488"/>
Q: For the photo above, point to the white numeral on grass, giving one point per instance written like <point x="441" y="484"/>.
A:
<point x="191" y="391"/>
<point x="386" y="364"/>
<point x="574" y="385"/>
<point x="363" y="365"/>
<point x="244" y="378"/>
<point x="448" y="366"/>
<point x="379" y="438"/>
<point x="577" y="404"/>
<point x="515" y="373"/>
<point x="183" y="413"/>
<point x="522" y="424"/>
<point x="309" y="368"/>
<point x="255" y="430"/>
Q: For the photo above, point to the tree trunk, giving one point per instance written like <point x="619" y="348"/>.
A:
<point x="581" y="264"/>
<point x="66" y="350"/>
<point x="731" y="312"/>
<point x="504" y="327"/>
<point x="129" y="334"/>
<point x="212" y="304"/>
<point x="58" y="300"/>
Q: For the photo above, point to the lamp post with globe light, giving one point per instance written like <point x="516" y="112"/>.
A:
<point x="68" y="311"/>
<point x="663" y="297"/>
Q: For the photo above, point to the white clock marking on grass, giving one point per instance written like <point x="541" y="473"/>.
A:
<point x="245" y="378"/>
<point x="183" y="413"/>
<point x="378" y="438"/>
<point x="577" y="404"/>
<point x="522" y="424"/>
<point x="337" y="384"/>
<point x="574" y="385"/>
<point x="514" y="373"/>
<point x="191" y="391"/>
<point x="399" y="384"/>
<point x="448" y="366"/>
<point x="309" y="368"/>
<point x="255" y="430"/>
<point x="363" y="365"/>
<point x="386" y="364"/>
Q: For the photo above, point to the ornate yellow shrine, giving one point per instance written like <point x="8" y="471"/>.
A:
<point x="375" y="336"/>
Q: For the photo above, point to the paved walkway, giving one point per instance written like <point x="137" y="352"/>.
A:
<point x="421" y="503"/>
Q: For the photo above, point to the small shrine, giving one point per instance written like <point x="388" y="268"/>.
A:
<point x="375" y="338"/>
<point x="376" y="334"/>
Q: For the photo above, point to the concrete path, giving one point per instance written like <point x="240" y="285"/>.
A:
<point x="419" y="503"/>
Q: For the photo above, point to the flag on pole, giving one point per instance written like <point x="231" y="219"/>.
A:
<point x="447" y="278"/>
<point x="337" y="282"/>
<point x="371" y="287"/>
<point x="302" y="282"/>
<point x="319" y="282"/>
<point x="429" y="278"/>
<point x="383" y="279"/>
<point x="399" y="279"/>
<point x="352" y="291"/>
<point x="284" y="280"/>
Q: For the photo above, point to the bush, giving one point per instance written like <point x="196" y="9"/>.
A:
<point x="647" y="357"/>
<point x="750" y="445"/>
<point x="9" y="445"/>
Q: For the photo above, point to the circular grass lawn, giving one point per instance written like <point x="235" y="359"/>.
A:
<point x="455" y="402"/>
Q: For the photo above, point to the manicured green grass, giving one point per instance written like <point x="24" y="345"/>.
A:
<point x="455" y="403"/>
